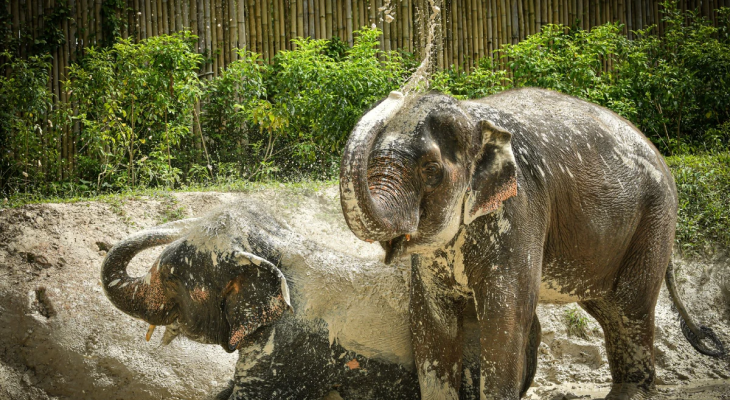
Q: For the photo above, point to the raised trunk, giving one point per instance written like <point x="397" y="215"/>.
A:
<point x="364" y="216"/>
<point x="140" y="297"/>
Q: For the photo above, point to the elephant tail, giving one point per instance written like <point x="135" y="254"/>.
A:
<point x="694" y="333"/>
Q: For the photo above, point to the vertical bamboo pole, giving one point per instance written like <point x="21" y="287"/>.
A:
<point x="323" y="33"/>
<point x="379" y="22"/>
<point x="185" y="7"/>
<point x="491" y="43"/>
<point x="257" y="25"/>
<point x="328" y="19"/>
<point x="269" y="4"/>
<point x="520" y="18"/>
<point x="146" y="18"/>
<point x="315" y="18"/>
<point x="153" y="31"/>
<point x="220" y="35"/>
<point x="386" y="33"/>
<point x="305" y="16"/>
<point x="290" y="22"/>
<point x="458" y="33"/>
<point x="250" y="19"/>
<point x="241" y="11"/>
<point x="310" y="19"/>
<point x="261" y="33"/>
<point x="473" y="19"/>
<point x="282" y="25"/>
<point x="348" y="11"/>
<point x="372" y="12"/>
<point x="177" y="6"/>
<point x="300" y="17"/>
<point x="480" y="32"/>
<point x="209" y="26"/>
<point x="225" y="28"/>
<point x="232" y="29"/>
<point x="509" y="38"/>
<point x="159" y="15"/>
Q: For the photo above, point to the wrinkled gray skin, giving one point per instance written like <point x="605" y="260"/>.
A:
<point x="229" y="279"/>
<point x="522" y="196"/>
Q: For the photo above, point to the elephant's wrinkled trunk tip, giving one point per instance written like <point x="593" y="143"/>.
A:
<point x="140" y="297"/>
<point x="362" y="214"/>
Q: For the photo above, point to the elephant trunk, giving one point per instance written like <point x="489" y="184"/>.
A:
<point x="140" y="297"/>
<point x="371" y="218"/>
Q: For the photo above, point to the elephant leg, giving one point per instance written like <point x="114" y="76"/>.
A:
<point x="533" y="343"/>
<point x="226" y="393"/>
<point x="629" y="337"/>
<point x="627" y="314"/>
<point x="253" y="378"/>
<point x="436" y="326"/>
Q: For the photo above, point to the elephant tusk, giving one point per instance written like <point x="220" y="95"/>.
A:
<point x="150" y="331"/>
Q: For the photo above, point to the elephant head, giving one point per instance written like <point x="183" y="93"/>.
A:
<point x="415" y="169"/>
<point x="212" y="295"/>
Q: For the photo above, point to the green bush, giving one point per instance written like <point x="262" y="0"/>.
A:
<point x="679" y="81"/>
<point x="135" y="104"/>
<point x="481" y="82"/>
<point x="703" y="185"/>
<point x="321" y="93"/>
<point x="229" y="129"/>
<point x="674" y="87"/>
<point x="27" y="124"/>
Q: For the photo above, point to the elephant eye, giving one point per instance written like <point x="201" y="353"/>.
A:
<point x="432" y="173"/>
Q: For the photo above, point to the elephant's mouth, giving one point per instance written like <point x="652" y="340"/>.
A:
<point x="395" y="248"/>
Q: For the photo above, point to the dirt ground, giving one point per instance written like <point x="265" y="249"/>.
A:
<point x="62" y="339"/>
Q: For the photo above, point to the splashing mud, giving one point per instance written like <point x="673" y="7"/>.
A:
<point x="87" y="349"/>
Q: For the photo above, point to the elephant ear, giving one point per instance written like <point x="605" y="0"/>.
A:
<point x="254" y="298"/>
<point x="493" y="178"/>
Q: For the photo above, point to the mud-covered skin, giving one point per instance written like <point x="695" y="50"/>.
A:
<point x="522" y="196"/>
<point x="343" y="309"/>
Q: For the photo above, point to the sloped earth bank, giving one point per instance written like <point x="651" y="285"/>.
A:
<point x="62" y="339"/>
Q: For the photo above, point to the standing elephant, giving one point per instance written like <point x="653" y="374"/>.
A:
<point x="231" y="277"/>
<point x="522" y="196"/>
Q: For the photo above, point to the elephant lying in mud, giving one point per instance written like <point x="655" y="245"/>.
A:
<point x="230" y="278"/>
<point x="522" y="196"/>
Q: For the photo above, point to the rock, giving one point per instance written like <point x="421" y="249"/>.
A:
<point x="103" y="246"/>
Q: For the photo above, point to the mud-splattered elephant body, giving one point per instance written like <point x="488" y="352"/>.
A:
<point x="230" y="279"/>
<point x="522" y="196"/>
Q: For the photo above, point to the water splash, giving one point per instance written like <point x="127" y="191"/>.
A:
<point x="419" y="80"/>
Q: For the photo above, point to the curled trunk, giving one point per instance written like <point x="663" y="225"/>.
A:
<point x="364" y="216"/>
<point x="140" y="297"/>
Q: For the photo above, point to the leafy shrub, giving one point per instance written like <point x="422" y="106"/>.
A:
<point x="481" y="82"/>
<point x="576" y="323"/>
<point x="568" y="60"/>
<point x="135" y="99"/>
<point x="680" y="80"/>
<point x="673" y="86"/>
<point x="703" y="185"/>
<point x="26" y="124"/>
<point x="322" y="97"/>
<point x="228" y="131"/>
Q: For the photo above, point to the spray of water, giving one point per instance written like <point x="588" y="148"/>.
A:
<point x="419" y="80"/>
<point x="430" y="27"/>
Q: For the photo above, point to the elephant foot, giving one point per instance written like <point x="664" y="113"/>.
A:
<point x="630" y="391"/>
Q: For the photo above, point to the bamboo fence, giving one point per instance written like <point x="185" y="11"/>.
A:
<point x="471" y="29"/>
